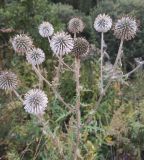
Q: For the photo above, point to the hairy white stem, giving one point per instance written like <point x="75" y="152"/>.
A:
<point x="49" y="39"/>
<point x="110" y="81"/>
<point x="17" y="94"/>
<point x="67" y="66"/>
<point x="53" y="89"/>
<point x="135" y="69"/>
<point x="58" y="70"/>
<point x="40" y="79"/>
<point x="101" y="65"/>
<point x="78" y="113"/>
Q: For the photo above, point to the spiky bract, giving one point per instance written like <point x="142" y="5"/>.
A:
<point x="81" y="47"/>
<point x="46" y="29"/>
<point x="102" y="23"/>
<point x="35" y="56"/>
<point x="75" y="25"/>
<point x="8" y="80"/>
<point x="61" y="43"/>
<point x="125" y="28"/>
<point x="21" y="43"/>
<point x="35" y="102"/>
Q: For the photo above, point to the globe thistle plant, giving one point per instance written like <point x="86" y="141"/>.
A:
<point x="125" y="28"/>
<point x="46" y="29"/>
<point x="81" y="47"/>
<point x="61" y="43"/>
<point x="35" y="102"/>
<point x="8" y="80"/>
<point x="75" y="25"/>
<point x="103" y="23"/>
<point x="35" y="56"/>
<point x="21" y="43"/>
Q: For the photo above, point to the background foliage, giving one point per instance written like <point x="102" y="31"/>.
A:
<point x="117" y="129"/>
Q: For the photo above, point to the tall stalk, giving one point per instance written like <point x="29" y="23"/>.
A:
<point x="101" y="65"/>
<point x="110" y="80"/>
<point x="78" y="113"/>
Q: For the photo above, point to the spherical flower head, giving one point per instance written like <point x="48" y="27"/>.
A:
<point x="75" y="25"/>
<point x="35" y="56"/>
<point x="125" y="28"/>
<point x="35" y="102"/>
<point x="21" y="43"/>
<point x="103" y="23"/>
<point x="46" y="29"/>
<point x="8" y="80"/>
<point x="81" y="47"/>
<point x="61" y="43"/>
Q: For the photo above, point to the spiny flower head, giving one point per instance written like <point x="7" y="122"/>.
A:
<point x="46" y="29"/>
<point x="125" y="28"/>
<point x="61" y="43"/>
<point x="81" y="47"/>
<point x="21" y="43"/>
<point x="35" y="56"/>
<point x="35" y="102"/>
<point x="103" y="23"/>
<point x="75" y="25"/>
<point x="8" y="80"/>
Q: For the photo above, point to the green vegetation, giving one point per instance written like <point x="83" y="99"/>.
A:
<point x="116" y="130"/>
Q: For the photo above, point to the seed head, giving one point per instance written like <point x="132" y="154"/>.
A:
<point x="75" y="25"/>
<point x="102" y="23"/>
<point x="35" y="56"/>
<point x="21" y="43"/>
<point x="61" y="43"/>
<point x="46" y="29"/>
<point x="81" y="47"/>
<point x="125" y="28"/>
<point x="8" y="80"/>
<point x="35" y="102"/>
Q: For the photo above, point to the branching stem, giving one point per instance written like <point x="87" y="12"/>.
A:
<point x="17" y="94"/>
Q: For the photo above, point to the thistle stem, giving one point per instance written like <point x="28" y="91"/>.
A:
<point x="47" y="132"/>
<point x="17" y="94"/>
<point x="57" y="77"/>
<point x="101" y="66"/>
<point x="53" y="89"/>
<point x="110" y="81"/>
<point x="78" y="113"/>
<point x="135" y="69"/>
<point x="40" y="79"/>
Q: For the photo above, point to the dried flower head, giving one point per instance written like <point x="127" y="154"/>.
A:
<point x="8" y="80"/>
<point x="35" y="102"/>
<point x="35" y="56"/>
<point x="46" y="29"/>
<point x="103" y="23"/>
<point x="21" y="43"/>
<point x="125" y="28"/>
<point x="75" y="25"/>
<point x="61" y="43"/>
<point x="81" y="47"/>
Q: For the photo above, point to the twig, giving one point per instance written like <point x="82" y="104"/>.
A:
<point x="47" y="131"/>
<point x="110" y="81"/>
<point x="58" y="69"/>
<point x="37" y="148"/>
<point x="17" y="94"/>
<point x="53" y="89"/>
<point x="78" y="113"/>
<point x="40" y="79"/>
<point x="101" y="66"/>
<point x="67" y="65"/>
<point x="135" y="69"/>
